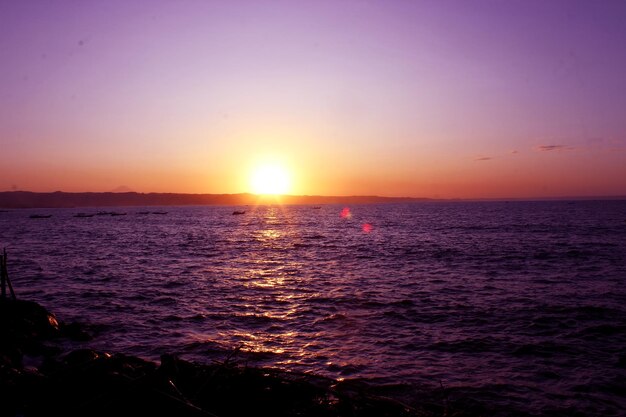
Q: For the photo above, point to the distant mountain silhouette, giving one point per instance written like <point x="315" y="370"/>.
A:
<point x="122" y="189"/>
<point x="27" y="199"/>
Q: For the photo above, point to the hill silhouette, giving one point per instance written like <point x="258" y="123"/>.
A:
<point x="59" y="199"/>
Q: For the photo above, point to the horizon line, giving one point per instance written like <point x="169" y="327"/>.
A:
<point x="373" y="196"/>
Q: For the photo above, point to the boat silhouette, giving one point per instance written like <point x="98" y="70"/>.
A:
<point x="83" y="215"/>
<point x="236" y="212"/>
<point x="40" y="216"/>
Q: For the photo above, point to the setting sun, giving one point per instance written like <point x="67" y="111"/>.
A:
<point x="270" y="179"/>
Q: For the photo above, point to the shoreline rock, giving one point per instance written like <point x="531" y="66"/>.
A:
<point x="89" y="382"/>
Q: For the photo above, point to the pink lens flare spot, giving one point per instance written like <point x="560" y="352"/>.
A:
<point x="345" y="213"/>
<point x="367" y="227"/>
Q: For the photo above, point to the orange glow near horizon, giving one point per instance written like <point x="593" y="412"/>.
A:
<point x="342" y="98"/>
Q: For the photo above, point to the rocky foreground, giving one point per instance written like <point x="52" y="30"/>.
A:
<point x="87" y="382"/>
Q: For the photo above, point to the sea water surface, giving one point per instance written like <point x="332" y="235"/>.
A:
<point x="514" y="307"/>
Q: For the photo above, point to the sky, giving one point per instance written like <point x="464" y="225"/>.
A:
<point x="439" y="99"/>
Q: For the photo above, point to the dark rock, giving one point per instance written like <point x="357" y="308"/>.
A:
<point x="10" y="356"/>
<point x="25" y="325"/>
<point x="83" y="356"/>
<point x="89" y="382"/>
<point x="74" y="331"/>
<point x="26" y="319"/>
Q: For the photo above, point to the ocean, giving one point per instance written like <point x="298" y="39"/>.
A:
<point x="510" y="307"/>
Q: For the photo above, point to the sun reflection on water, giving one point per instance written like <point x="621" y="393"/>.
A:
<point x="271" y="234"/>
<point x="265" y="342"/>
<point x="268" y="281"/>
<point x="270" y="299"/>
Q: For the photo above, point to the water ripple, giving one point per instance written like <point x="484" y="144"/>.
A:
<point x="505" y="306"/>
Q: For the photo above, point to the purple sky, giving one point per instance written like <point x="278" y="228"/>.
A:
<point x="420" y="98"/>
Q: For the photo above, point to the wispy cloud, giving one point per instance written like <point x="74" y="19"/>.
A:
<point x="548" y="148"/>
<point x="483" y="158"/>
